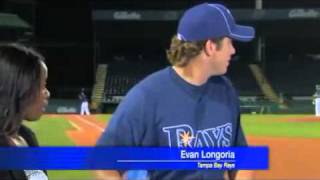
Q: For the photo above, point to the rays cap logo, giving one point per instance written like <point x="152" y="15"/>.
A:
<point x="207" y="21"/>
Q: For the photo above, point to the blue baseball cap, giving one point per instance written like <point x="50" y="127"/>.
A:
<point x="205" y="21"/>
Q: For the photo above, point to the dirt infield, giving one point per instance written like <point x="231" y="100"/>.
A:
<point x="310" y="118"/>
<point x="290" y="158"/>
<point x="86" y="129"/>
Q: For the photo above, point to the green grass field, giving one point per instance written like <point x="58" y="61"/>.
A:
<point x="51" y="132"/>
<point x="104" y="117"/>
<point x="271" y="125"/>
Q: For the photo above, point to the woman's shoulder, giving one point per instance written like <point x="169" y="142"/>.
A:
<point x="28" y="135"/>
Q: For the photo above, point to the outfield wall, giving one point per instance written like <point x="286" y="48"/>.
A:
<point x="61" y="106"/>
<point x="254" y="106"/>
<point x="267" y="107"/>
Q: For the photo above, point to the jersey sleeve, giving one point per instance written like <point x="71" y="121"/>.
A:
<point x="126" y="126"/>
<point x="240" y="139"/>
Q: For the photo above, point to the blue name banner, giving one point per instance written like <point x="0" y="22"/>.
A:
<point x="125" y="158"/>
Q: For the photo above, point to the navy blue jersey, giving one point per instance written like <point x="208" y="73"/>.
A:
<point x="83" y="97"/>
<point x="165" y="110"/>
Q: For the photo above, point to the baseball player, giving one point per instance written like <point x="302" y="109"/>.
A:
<point x="84" y="108"/>
<point x="188" y="103"/>
<point x="317" y="100"/>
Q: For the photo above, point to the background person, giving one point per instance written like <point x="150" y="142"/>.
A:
<point x="23" y="96"/>
<point x="84" y="107"/>
<point x="188" y="104"/>
<point x="316" y="100"/>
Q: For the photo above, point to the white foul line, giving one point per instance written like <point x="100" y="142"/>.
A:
<point x="89" y="123"/>
<point x="75" y="126"/>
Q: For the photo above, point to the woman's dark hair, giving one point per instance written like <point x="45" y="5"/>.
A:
<point x="20" y="69"/>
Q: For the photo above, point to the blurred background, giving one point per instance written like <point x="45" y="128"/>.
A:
<point x="107" y="46"/>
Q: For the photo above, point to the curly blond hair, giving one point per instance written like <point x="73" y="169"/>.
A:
<point x="181" y="52"/>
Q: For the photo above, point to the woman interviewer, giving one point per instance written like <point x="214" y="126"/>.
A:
<point x="23" y="96"/>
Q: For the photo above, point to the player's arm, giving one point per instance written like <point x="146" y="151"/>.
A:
<point x="240" y="140"/>
<point x="239" y="175"/>
<point x="244" y="175"/>
<point x="125" y="129"/>
<point x="108" y="175"/>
